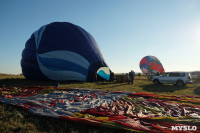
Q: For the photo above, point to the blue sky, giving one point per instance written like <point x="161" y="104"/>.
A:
<point x="126" y="30"/>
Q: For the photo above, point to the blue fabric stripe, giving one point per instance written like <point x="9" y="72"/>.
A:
<point x="151" y="60"/>
<point x="145" y="66"/>
<point x="104" y="75"/>
<point x="67" y="56"/>
<point x="60" y="65"/>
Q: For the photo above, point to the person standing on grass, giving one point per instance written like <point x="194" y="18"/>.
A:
<point x="132" y="76"/>
<point x="139" y="74"/>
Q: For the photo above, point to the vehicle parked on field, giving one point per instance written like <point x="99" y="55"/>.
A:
<point x="195" y="75"/>
<point x="178" y="78"/>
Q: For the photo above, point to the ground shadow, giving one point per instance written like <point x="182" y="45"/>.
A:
<point x="111" y="85"/>
<point x="18" y="82"/>
<point x="162" y="88"/>
<point x="105" y="83"/>
<point x="117" y="85"/>
<point x="197" y="91"/>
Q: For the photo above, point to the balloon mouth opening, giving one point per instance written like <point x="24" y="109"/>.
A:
<point x="98" y="71"/>
<point x="104" y="72"/>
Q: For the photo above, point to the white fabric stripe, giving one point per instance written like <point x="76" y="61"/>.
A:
<point x="67" y="56"/>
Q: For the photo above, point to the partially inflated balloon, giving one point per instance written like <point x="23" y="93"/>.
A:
<point x="150" y="65"/>
<point x="61" y="51"/>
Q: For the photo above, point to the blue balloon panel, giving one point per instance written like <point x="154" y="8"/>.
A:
<point x="61" y="51"/>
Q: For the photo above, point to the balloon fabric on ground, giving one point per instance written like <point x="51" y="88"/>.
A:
<point x="124" y="110"/>
<point x="151" y="65"/>
<point x="61" y="51"/>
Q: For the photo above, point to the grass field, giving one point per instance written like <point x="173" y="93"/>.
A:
<point x="15" y="119"/>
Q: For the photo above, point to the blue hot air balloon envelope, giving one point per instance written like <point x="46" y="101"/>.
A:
<point x="62" y="51"/>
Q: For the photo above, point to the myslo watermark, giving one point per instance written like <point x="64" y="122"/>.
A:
<point x="183" y="128"/>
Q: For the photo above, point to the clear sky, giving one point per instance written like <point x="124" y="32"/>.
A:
<point x="126" y="30"/>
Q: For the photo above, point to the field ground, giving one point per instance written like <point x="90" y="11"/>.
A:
<point x="15" y="119"/>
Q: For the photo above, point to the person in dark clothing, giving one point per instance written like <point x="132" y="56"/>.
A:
<point x="157" y="74"/>
<point x="132" y="76"/>
<point x="139" y="74"/>
<point x="57" y="85"/>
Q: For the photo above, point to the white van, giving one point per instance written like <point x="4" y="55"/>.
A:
<point x="178" y="78"/>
